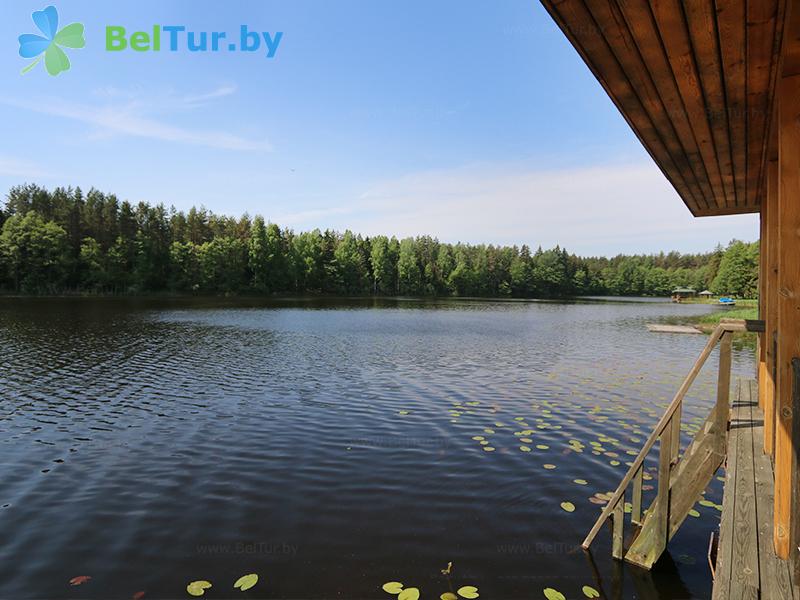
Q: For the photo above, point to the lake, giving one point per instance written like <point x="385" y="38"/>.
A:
<point x="333" y="446"/>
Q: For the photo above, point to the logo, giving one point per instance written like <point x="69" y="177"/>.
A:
<point x="48" y="45"/>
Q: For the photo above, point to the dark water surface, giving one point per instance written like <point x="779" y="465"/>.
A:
<point x="328" y="446"/>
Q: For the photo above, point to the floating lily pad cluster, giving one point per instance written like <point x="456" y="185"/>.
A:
<point x="396" y="588"/>
<point x="244" y="583"/>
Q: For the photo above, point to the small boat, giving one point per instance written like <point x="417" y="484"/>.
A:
<point x="725" y="301"/>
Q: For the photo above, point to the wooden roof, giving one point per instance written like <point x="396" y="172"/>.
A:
<point x="695" y="79"/>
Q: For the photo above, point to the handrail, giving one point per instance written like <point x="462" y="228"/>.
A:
<point x="725" y="326"/>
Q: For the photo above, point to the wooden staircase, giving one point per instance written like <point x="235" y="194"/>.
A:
<point x="681" y="477"/>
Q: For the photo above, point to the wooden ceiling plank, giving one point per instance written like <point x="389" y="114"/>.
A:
<point x="576" y="23"/>
<point x="642" y="27"/>
<point x="761" y="31"/>
<point x="608" y="16"/>
<point x="731" y="27"/>
<point x="674" y="31"/>
<point x="702" y="21"/>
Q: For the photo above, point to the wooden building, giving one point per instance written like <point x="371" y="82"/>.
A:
<point x="712" y="90"/>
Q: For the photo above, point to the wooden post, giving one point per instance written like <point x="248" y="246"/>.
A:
<point x="722" y="410"/>
<point x="788" y="302"/>
<point x="676" y="433"/>
<point x="618" y="523"/>
<point x="768" y="305"/>
<point x="664" y="472"/>
<point x="636" y="499"/>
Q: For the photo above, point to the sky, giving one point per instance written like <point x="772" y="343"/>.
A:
<point x="468" y="120"/>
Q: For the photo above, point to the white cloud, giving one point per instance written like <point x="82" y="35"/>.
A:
<point x="12" y="167"/>
<point x="133" y="118"/>
<point x="590" y="210"/>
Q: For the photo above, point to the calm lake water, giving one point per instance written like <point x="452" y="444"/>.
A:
<point x="329" y="446"/>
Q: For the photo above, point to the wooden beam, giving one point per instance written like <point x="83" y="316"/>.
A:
<point x="788" y="302"/>
<point x="768" y="305"/>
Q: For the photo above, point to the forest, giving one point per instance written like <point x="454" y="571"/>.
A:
<point x="66" y="242"/>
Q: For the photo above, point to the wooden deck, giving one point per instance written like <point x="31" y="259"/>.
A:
<point x="747" y="566"/>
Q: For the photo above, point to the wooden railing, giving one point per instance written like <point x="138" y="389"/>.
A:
<point x="667" y="432"/>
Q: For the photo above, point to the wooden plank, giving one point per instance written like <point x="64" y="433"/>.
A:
<point x="675" y="437"/>
<point x="638" y="15"/>
<point x="671" y="22"/>
<point x="662" y="494"/>
<point x="701" y="18"/>
<point x="722" y="408"/>
<point x="628" y="52"/>
<point x="618" y="522"/>
<point x="788" y="302"/>
<point x="722" y="580"/>
<point x="769" y="252"/>
<point x="761" y="32"/>
<point x="775" y="578"/>
<point x="744" y="566"/>
<point x="636" y="500"/>
<point x="658" y="328"/>
<point x="731" y="23"/>
<point x="692" y="475"/>
<point x="794" y="553"/>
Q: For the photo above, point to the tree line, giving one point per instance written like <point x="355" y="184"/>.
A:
<point x="65" y="241"/>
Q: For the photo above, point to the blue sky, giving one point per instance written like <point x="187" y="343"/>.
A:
<point x="468" y="120"/>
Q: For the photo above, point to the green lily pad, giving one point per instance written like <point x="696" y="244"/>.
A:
<point x="448" y="596"/>
<point x="525" y="448"/>
<point x="488" y="449"/>
<point x="568" y="506"/>
<point x="552" y="594"/>
<point x="409" y="594"/>
<point x="198" y="588"/>
<point x="393" y="587"/>
<point x="581" y="481"/>
<point x="694" y="513"/>
<point x="468" y="591"/>
<point x="245" y="582"/>
<point x="590" y="592"/>
<point x="549" y="467"/>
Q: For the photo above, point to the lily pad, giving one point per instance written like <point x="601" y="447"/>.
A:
<point x="694" y="513"/>
<point x="549" y="467"/>
<point x="393" y="587"/>
<point x="409" y="594"/>
<point x="581" y="481"/>
<point x="198" y="588"/>
<point x="590" y="592"/>
<point x="568" y="506"/>
<point x="448" y="596"/>
<point x="488" y="449"/>
<point x="245" y="582"/>
<point x="525" y="448"/>
<point x="468" y="591"/>
<point x="552" y="594"/>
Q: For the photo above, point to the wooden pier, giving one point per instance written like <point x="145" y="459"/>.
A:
<point x="747" y="566"/>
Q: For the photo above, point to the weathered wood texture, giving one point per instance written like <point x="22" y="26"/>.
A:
<point x="695" y="80"/>
<point x="788" y="302"/>
<point x="747" y="566"/>
<point x="768" y="305"/>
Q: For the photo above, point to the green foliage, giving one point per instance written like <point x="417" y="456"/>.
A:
<point x="62" y="240"/>
<point x="738" y="271"/>
<point x="34" y="253"/>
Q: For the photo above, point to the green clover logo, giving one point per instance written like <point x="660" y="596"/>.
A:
<point x="35" y="46"/>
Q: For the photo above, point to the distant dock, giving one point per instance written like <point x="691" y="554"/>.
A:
<point x="656" y="328"/>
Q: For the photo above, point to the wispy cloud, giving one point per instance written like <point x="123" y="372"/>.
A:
<point x="12" y="167"/>
<point x="124" y="113"/>
<point x="591" y="210"/>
